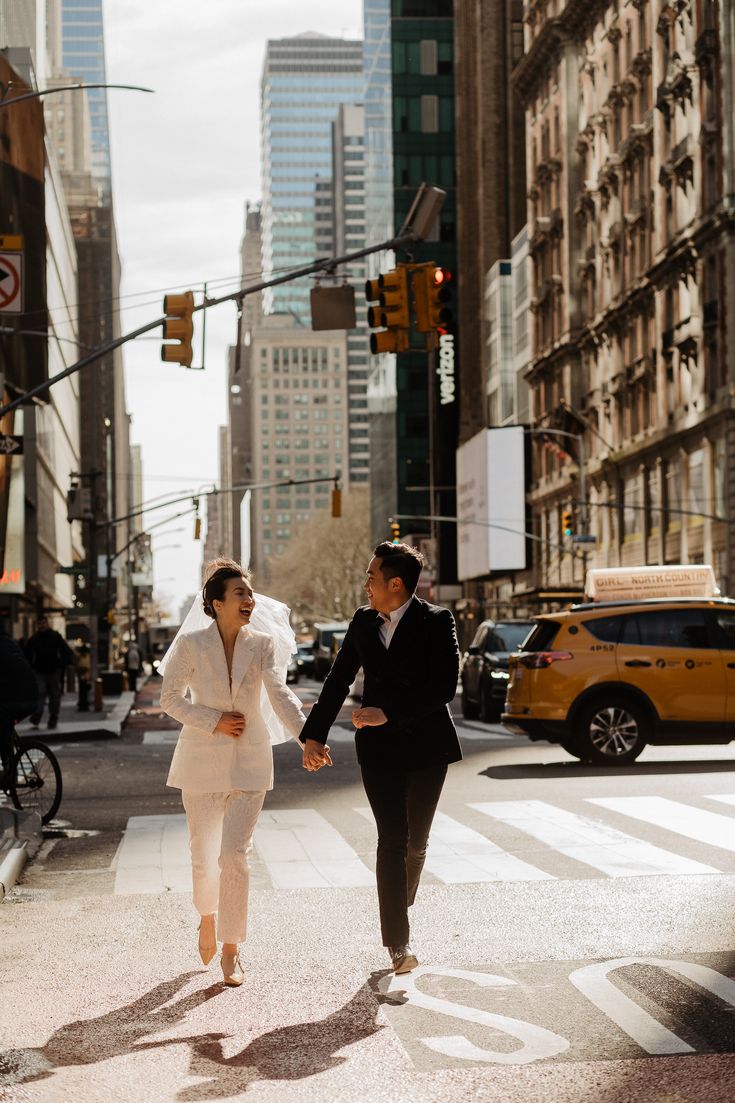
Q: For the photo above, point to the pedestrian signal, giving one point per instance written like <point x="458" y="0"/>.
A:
<point x="178" y="326"/>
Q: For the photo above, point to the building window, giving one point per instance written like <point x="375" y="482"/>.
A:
<point x="429" y="57"/>
<point x="430" y="114"/>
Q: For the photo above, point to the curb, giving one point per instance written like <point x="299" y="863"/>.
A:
<point x="20" y="837"/>
<point x="11" y="867"/>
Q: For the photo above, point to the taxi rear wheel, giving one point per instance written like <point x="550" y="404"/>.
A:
<point x="612" y="731"/>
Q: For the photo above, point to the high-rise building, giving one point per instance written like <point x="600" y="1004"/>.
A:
<point x="296" y="386"/>
<point x="304" y="81"/>
<point x="76" y="32"/>
<point x="348" y="190"/>
<point x="491" y="178"/>
<point x="381" y="389"/>
<point x="424" y="422"/>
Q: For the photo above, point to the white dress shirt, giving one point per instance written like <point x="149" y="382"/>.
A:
<point x="390" y="622"/>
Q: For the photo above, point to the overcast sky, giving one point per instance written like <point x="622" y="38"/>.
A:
<point x="184" y="161"/>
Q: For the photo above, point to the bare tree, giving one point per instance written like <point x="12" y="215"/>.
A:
<point x="321" y="572"/>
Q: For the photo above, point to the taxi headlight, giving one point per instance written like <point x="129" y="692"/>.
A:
<point x="499" y="674"/>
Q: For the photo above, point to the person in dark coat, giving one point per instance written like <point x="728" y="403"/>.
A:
<point x="18" y="693"/>
<point x="49" y="654"/>
<point x="405" y="737"/>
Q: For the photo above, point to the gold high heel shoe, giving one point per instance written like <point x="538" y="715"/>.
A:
<point x="207" y="950"/>
<point x="232" y="970"/>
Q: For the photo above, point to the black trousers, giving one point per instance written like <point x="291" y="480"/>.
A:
<point x="403" y="802"/>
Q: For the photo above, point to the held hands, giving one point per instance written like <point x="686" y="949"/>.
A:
<point x="232" y="724"/>
<point x="368" y="718"/>
<point x="316" y="755"/>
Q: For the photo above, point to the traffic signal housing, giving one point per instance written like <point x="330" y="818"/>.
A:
<point x="178" y="326"/>
<point x="431" y="296"/>
<point x="567" y="522"/>
<point x="395" y="532"/>
<point x="392" y="314"/>
<point x="336" y="502"/>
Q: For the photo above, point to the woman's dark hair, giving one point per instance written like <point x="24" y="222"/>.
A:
<point x="400" y="561"/>
<point x="218" y="571"/>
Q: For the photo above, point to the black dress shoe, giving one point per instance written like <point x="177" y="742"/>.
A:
<point x="402" y="958"/>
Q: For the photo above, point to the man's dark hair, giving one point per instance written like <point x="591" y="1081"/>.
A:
<point x="400" y="561"/>
<point x="214" y="588"/>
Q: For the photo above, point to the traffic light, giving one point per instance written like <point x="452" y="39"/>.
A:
<point x="395" y="532"/>
<point x="567" y="522"/>
<point x="390" y="292"/>
<point x="179" y="327"/>
<point x="431" y="294"/>
<point x="336" y="502"/>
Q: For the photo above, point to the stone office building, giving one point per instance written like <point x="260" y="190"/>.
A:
<point x="629" y="109"/>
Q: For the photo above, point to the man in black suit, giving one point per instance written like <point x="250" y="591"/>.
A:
<point x="405" y="734"/>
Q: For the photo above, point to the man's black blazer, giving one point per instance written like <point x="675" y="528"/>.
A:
<point x="412" y="681"/>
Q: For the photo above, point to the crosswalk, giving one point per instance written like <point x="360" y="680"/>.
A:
<point x="487" y="841"/>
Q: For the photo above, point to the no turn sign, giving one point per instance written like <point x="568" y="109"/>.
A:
<point x="11" y="283"/>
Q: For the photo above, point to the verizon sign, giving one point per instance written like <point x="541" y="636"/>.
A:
<point x="491" y="503"/>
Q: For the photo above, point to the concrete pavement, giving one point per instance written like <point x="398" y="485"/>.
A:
<point x="574" y="927"/>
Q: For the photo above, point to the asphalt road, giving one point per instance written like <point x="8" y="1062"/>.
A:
<point x="574" y="928"/>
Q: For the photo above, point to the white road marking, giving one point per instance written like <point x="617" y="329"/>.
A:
<point x="301" y="849"/>
<point x="161" y="738"/>
<point x="153" y="856"/>
<point x="594" y="844"/>
<point x="712" y="828"/>
<point x="724" y="798"/>
<point x="459" y="855"/>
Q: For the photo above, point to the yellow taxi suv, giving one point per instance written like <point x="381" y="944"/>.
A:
<point x="606" y="679"/>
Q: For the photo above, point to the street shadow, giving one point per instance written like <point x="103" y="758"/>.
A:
<point x="574" y="769"/>
<point x="287" y="1053"/>
<point x="119" y="1032"/>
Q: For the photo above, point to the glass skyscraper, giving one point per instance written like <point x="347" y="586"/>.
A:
<point x="305" y="80"/>
<point x="83" y="55"/>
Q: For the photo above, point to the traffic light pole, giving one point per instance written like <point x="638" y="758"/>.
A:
<point x="324" y="264"/>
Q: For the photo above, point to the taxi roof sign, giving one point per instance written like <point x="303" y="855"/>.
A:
<point x="671" y="580"/>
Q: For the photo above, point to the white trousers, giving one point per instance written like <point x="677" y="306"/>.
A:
<point x="221" y="827"/>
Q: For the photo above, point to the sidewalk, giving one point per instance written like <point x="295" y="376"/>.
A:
<point x="72" y="722"/>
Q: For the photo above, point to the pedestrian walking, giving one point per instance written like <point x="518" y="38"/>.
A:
<point x="83" y="667"/>
<point x="49" y="654"/>
<point x="231" y="654"/>
<point x="133" y="663"/>
<point x="405" y="737"/>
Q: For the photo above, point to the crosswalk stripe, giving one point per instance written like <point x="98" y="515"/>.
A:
<point x="724" y="798"/>
<point x="712" y="828"/>
<point x="301" y="849"/>
<point x="153" y="856"/>
<point x="460" y="855"/>
<point x="588" y="841"/>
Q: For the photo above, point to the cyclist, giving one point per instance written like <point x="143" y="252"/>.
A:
<point x="18" y="694"/>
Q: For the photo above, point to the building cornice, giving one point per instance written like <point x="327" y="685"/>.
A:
<point x="570" y="26"/>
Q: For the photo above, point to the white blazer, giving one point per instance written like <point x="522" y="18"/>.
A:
<point x="206" y="761"/>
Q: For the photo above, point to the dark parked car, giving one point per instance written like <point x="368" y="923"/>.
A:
<point x="485" y="667"/>
<point x="305" y="659"/>
<point x="323" y="656"/>
<point x="293" y="670"/>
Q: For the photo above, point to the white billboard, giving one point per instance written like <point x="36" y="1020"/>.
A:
<point x="491" y="503"/>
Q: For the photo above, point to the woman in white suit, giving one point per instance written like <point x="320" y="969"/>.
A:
<point x="223" y="762"/>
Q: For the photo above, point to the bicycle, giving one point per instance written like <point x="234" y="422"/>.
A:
<point x="33" y="781"/>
